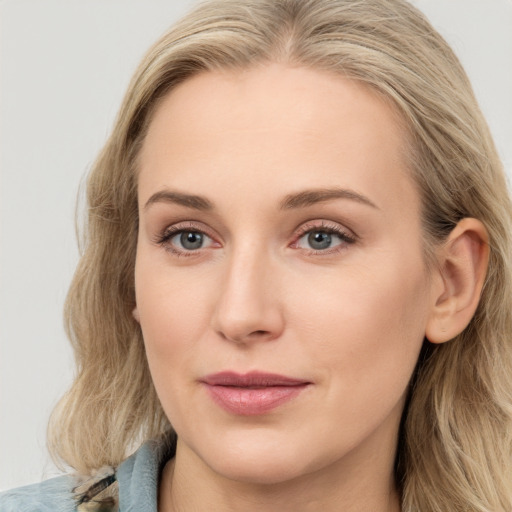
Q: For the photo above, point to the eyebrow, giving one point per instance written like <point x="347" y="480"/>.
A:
<point x="301" y="199"/>
<point x="187" y="200"/>
<point x="314" y="196"/>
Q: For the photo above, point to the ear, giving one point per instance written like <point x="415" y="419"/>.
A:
<point x="462" y="266"/>
<point x="135" y="313"/>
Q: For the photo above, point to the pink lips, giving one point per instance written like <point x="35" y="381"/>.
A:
<point x="252" y="393"/>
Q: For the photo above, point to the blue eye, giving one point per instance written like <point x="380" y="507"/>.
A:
<point x="323" y="239"/>
<point x="190" y="240"/>
<point x="319" y="240"/>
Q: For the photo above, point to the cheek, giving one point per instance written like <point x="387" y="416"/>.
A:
<point x="366" y="325"/>
<point x="174" y="310"/>
<point x="172" y="318"/>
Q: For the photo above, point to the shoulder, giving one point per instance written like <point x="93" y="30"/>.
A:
<point x="133" y="486"/>
<point x="64" y="494"/>
<point x="54" y="495"/>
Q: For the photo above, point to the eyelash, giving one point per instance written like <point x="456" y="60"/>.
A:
<point x="346" y="237"/>
<point x="170" y="232"/>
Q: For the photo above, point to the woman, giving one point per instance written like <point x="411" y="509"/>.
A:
<point x="298" y="256"/>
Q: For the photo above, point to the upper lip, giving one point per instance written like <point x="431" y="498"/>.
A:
<point x="251" y="379"/>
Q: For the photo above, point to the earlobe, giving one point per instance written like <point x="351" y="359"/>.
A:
<point x="462" y="268"/>
<point x="135" y="313"/>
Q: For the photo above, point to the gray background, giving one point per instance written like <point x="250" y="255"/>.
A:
<point x="64" y="66"/>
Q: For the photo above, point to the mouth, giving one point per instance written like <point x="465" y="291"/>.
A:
<point x="252" y="393"/>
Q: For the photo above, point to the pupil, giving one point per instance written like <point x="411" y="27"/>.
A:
<point x="319" y="240"/>
<point x="191" y="240"/>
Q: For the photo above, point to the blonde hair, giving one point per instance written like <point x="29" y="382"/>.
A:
<point x="455" y="439"/>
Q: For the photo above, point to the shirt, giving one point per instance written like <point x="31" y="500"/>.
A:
<point x="135" y="482"/>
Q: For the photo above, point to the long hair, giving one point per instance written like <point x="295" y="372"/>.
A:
<point x="455" y="439"/>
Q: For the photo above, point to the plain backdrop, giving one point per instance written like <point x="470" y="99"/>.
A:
<point x="64" y="66"/>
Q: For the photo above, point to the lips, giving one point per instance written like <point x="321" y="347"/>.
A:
<point x="252" y="393"/>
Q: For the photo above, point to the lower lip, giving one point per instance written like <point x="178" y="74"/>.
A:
<point x="252" y="401"/>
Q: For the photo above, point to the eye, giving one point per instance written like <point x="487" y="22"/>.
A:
<point x="323" y="238"/>
<point x="185" y="239"/>
<point x="318" y="240"/>
<point x="189" y="240"/>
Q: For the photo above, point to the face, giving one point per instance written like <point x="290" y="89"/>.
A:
<point x="280" y="282"/>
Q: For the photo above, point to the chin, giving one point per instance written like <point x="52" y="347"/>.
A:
<point x="260" y="463"/>
<point x="260" y="472"/>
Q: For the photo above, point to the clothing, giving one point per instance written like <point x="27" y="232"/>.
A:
<point x="137" y="480"/>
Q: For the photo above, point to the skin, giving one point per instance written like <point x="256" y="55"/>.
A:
<point x="350" y="318"/>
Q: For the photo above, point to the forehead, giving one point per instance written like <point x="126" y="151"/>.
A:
<point x="274" y="127"/>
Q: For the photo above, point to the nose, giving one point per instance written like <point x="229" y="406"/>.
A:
<point x="249" y="309"/>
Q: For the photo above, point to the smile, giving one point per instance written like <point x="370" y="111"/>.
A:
<point x="252" y="393"/>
